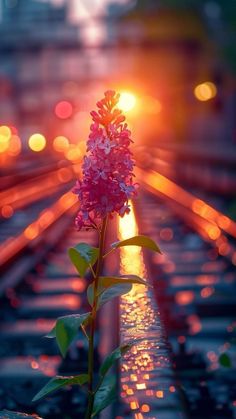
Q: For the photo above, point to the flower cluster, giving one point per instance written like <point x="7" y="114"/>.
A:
<point x="107" y="181"/>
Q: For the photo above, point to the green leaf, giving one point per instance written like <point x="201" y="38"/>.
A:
<point x="52" y="333"/>
<point x="105" y="395"/>
<point x="108" y="281"/>
<point x="58" y="382"/>
<point x="108" y="293"/>
<point x="7" y="414"/>
<point x="142" y="241"/>
<point x="225" y="360"/>
<point x="113" y="357"/>
<point x="67" y="329"/>
<point x="114" y="282"/>
<point x="90" y="294"/>
<point x="82" y="256"/>
<point x="114" y="291"/>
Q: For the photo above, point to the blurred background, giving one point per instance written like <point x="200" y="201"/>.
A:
<point x="175" y="59"/>
<point x="174" y="64"/>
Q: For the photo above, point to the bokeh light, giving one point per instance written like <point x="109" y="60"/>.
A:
<point x="14" y="146"/>
<point x="5" y="135"/>
<point x="63" y="109"/>
<point x="37" y="142"/>
<point x="7" y="211"/>
<point x="73" y="153"/>
<point x="205" y="91"/>
<point x="127" y="101"/>
<point x="4" y="145"/>
<point x="60" y="143"/>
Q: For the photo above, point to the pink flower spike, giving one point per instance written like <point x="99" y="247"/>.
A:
<point x="107" y="170"/>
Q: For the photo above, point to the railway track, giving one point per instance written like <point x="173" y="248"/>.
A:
<point x="26" y="170"/>
<point x="195" y="290"/>
<point x="34" y="189"/>
<point x="184" y="366"/>
<point x="194" y="166"/>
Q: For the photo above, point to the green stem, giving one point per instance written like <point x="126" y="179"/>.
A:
<point x="91" y="393"/>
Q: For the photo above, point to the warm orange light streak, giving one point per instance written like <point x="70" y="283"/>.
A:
<point x="213" y="232"/>
<point x="209" y="221"/>
<point x="206" y="211"/>
<point x="32" y="231"/>
<point x="30" y="191"/>
<point x="46" y="218"/>
<point x="11" y="248"/>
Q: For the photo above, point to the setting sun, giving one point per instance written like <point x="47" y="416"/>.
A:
<point x="127" y="101"/>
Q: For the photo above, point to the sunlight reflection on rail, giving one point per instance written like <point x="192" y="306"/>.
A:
<point x="148" y="361"/>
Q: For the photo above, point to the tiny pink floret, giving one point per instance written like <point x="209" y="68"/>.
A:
<point x="107" y="181"/>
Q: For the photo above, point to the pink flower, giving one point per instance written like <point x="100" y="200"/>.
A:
<point x="107" y="181"/>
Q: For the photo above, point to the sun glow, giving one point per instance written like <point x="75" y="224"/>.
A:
<point x="127" y="101"/>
